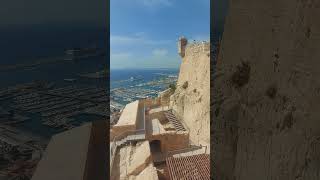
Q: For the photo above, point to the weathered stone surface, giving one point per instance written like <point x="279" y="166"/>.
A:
<point x="66" y="155"/>
<point x="149" y="173"/>
<point x="133" y="159"/>
<point x="182" y="43"/>
<point x="165" y="96"/>
<point x="129" y="115"/>
<point x="156" y="127"/>
<point x="191" y="99"/>
<point x="139" y="157"/>
<point x="171" y="140"/>
<point x="265" y="116"/>
<point x="128" y="119"/>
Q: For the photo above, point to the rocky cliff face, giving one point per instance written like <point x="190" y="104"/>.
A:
<point x="266" y="92"/>
<point x="191" y="99"/>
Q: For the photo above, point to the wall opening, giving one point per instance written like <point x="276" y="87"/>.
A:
<point x="155" y="146"/>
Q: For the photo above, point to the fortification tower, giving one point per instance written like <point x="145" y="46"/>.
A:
<point x="182" y="43"/>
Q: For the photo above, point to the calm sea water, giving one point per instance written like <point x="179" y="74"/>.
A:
<point x="26" y="45"/>
<point x="36" y="43"/>
<point x="21" y="44"/>
<point x="118" y="77"/>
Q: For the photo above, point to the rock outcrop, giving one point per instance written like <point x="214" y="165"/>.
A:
<point x="191" y="99"/>
<point x="266" y="92"/>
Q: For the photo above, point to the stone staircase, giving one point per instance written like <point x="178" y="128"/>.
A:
<point x="130" y="138"/>
<point x="174" y="120"/>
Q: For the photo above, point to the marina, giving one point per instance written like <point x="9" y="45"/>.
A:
<point x="139" y="86"/>
<point x="56" y="106"/>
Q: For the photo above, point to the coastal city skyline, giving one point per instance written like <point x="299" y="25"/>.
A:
<point x="152" y="42"/>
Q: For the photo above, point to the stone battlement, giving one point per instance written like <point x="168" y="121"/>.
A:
<point x="197" y="47"/>
<point x="185" y="48"/>
<point x="190" y="99"/>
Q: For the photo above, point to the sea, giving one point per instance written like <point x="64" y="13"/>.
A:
<point x="30" y="44"/>
<point x="37" y="43"/>
<point x="118" y="77"/>
<point x="128" y="85"/>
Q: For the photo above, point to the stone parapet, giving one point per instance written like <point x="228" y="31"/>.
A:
<point x="197" y="48"/>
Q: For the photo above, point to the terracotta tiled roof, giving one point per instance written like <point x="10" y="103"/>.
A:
<point x="196" y="167"/>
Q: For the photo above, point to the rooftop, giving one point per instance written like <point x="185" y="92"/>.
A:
<point x="129" y="115"/>
<point x="68" y="162"/>
<point x="79" y="153"/>
<point x="195" y="167"/>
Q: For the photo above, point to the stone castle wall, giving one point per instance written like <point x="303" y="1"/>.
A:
<point x="171" y="141"/>
<point x="195" y="49"/>
<point x="265" y="116"/>
<point x="191" y="99"/>
<point x="164" y="97"/>
<point x="149" y="103"/>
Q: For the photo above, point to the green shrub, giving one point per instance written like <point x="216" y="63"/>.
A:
<point x="172" y="87"/>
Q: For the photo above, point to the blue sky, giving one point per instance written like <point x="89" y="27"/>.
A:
<point x="144" y="33"/>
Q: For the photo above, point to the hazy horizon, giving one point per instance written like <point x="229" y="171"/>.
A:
<point x="146" y="68"/>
